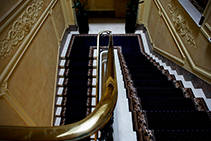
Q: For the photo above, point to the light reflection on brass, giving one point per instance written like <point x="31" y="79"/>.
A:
<point x="98" y="62"/>
<point x="76" y="131"/>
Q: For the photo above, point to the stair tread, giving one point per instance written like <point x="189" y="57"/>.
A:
<point x="144" y="71"/>
<point x="175" y="135"/>
<point x="167" y="103"/>
<point x="159" y="92"/>
<point x="183" y="120"/>
<point x="158" y="83"/>
<point x="148" y="77"/>
<point x="78" y="58"/>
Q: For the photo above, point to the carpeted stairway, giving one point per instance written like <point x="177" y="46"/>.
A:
<point x="77" y="57"/>
<point x="168" y="113"/>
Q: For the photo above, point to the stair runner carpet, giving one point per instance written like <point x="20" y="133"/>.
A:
<point x="78" y="89"/>
<point x="162" y="109"/>
<point x="168" y="114"/>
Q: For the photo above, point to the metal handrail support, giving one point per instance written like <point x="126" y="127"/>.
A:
<point x="98" y="63"/>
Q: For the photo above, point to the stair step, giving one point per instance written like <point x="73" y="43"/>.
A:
<point x="140" y="60"/>
<point x="77" y="91"/>
<point x="76" y="100"/>
<point x="144" y="71"/>
<point x="141" y="66"/>
<point x="178" y="120"/>
<point x="182" y="135"/>
<point x="75" y="63"/>
<point x="78" y="54"/>
<point x="149" y="77"/>
<point x="137" y="63"/>
<point x="76" y="111"/>
<point x="78" y="82"/>
<point x="129" y="57"/>
<point x="159" y="92"/>
<point x="167" y="103"/>
<point x="73" y="119"/>
<point x="75" y="72"/>
<point x="153" y="83"/>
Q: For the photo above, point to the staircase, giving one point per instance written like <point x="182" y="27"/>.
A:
<point x="169" y="115"/>
<point x="162" y="108"/>
<point x="74" y="103"/>
<point x="77" y="84"/>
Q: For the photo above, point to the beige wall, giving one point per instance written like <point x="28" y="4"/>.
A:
<point x="30" y="36"/>
<point x="174" y="34"/>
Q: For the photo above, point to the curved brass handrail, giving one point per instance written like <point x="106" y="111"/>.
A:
<point x="76" y="131"/>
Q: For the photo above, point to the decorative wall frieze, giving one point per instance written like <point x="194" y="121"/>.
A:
<point x="3" y="88"/>
<point x="181" y="25"/>
<point x="20" y="28"/>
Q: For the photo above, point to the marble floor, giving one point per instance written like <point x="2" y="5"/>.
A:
<point x="117" y="26"/>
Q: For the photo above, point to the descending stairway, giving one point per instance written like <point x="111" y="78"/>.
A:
<point x="76" y="95"/>
<point x="169" y="115"/>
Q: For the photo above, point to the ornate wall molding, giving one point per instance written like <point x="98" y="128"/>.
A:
<point x="3" y="88"/>
<point x="20" y="28"/>
<point x="173" y="57"/>
<point x="4" y="91"/>
<point x="181" y="25"/>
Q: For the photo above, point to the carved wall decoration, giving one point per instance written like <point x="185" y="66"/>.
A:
<point x="3" y="88"/>
<point x="181" y="25"/>
<point x="20" y="28"/>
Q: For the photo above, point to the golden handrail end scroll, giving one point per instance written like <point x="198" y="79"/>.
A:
<point x="81" y="129"/>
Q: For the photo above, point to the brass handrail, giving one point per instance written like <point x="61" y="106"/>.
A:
<point x="75" y="131"/>
<point x="98" y="62"/>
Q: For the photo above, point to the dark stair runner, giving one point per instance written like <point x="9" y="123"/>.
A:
<point x="170" y="115"/>
<point x="77" y="78"/>
<point x="77" y="63"/>
<point x="168" y="112"/>
<point x="76" y="104"/>
<point x="77" y="87"/>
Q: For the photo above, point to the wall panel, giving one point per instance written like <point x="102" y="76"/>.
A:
<point x="14" y="30"/>
<point x="28" y="73"/>
<point x="32" y="82"/>
<point x="166" y="42"/>
<point x="202" y="55"/>
<point x="7" y="5"/>
<point x="153" y="20"/>
<point x="58" y="18"/>
<point x="8" y="115"/>
<point x="196" y="46"/>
